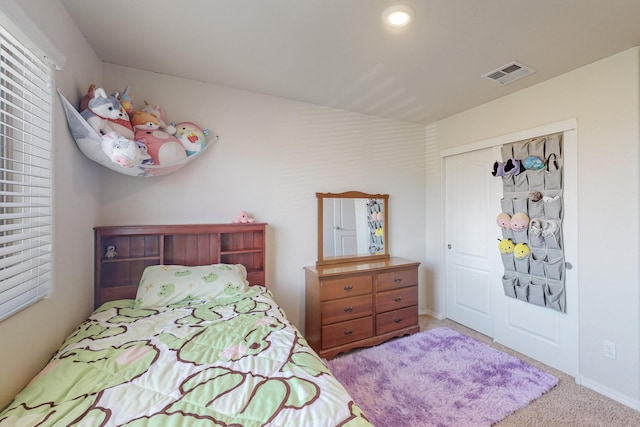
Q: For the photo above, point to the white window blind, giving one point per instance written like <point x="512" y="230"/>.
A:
<point x="25" y="176"/>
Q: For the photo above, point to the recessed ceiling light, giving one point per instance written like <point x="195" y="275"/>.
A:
<point x="398" y="16"/>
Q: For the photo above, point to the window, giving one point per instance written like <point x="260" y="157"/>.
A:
<point x="25" y="176"/>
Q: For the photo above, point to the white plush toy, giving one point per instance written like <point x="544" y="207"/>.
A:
<point x="123" y="151"/>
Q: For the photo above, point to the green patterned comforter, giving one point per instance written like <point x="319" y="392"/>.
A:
<point x="233" y="362"/>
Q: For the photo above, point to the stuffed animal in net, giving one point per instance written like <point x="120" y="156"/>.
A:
<point x="243" y="218"/>
<point x="192" y="136"/>
<point x="160" y="115"/>
<point x="123" y="151"/>
<point x="164" y="149"/>
<point x="105" y="114"/>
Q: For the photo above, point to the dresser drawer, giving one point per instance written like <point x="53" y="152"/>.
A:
<point x="396" y="279"/>
<point x="346" y="309"/>
<point x="345" y="287"/>
<point x="346" y="332"/>
<point x="396" y="319"/>
<point x="396" y="298"/>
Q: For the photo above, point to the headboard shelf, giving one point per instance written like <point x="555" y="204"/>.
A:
<point x="137" y="247"/>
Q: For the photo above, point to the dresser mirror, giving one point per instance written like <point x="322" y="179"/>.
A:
<point x="352" y="226"/>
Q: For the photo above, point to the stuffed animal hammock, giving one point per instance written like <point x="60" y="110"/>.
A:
<point x="90" y="143"/>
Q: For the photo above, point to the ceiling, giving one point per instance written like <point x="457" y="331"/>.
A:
<point x="337" y="53"/>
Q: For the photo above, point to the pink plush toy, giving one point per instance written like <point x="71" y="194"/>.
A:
<point x="243" y="218"/>
<point x="504" y="221"/>
<point x="519" y="221"/>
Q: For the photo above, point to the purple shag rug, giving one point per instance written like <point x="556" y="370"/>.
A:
<point x="438" y="378"/>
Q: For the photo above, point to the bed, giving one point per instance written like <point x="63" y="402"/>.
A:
<point x="192" y="343"/>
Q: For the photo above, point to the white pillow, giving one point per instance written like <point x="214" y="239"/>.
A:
<point x="164" y="285"/>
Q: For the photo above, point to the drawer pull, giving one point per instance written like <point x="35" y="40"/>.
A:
<point x="348" y="332"/>
<point x="398" y="320"/>
<point x="398" y="299"/>
<point x="348" y="309"/>
<point x="398" y="279"/>
<point x="348" y="288"/>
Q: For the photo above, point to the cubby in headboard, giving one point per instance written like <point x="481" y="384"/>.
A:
<point x="140" y="246"/>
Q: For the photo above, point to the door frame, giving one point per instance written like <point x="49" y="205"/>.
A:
<point x="569" y="129"/>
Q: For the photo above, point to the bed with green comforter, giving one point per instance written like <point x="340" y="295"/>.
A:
<point x="233" y="361"/>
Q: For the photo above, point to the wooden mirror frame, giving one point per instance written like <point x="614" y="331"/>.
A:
<point x="322" y="260"/>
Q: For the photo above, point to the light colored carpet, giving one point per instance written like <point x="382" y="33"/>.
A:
<point x="566" y="405"/>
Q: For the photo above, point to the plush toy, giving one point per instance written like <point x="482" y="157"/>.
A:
<point x="243" y="218"/>
<point x="164" y="149"/>
<point x="111" y="252"/>
<point x="377" y="216"/>
<point x="506" y="246"/>
<point x="159" y="113"/>
<point x="142" y="120"/>
<point x="123" y="151"/>
<point x="535" y="196"/>
<point x="105" y="114"/>
<point x="521" y="250"/>
<point x="504" y="221"/>
<point x="192" y="137"/>
<point x="519" y="221"/>
<point x="84" y="102"/>
<point x="533" y="162"/>
<point x="125" y="98"/>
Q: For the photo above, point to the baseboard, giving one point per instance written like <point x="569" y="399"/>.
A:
<point x="433" y="314"/>
<point x="606" y="391"/>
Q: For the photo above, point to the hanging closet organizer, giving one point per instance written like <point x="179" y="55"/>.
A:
<point x="90" y="143"/>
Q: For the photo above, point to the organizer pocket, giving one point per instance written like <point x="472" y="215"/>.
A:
<point x="507" y="261"/>
<point x="536" y="209"/>
<point x="506" y="151"/>
<point x="536" y="180"/>
<point x="522" y="264"/>
<point x="552" y="145"/>
<point x="508" y="184"/>
<point x="520" y="205"/>
<point x="554" y="295"/>
<point x="552" y="206"/>
<point x="536" y="294"/>
<point x="553" y="241"/>
<point x="521" y="150"/>
<point x="538" y="257"/>
<point x="507" y="205"/>
<point x="536" y="240"/>
<point x="521" y="182"/>
<point x="509" y="285"/>
<point x="520" y="236"/>
<point x="554" y="267"/>
<point x="522" y="290"/>
<point x="536" y="147"/>
<point x="552" y="180"/>
<point x="507" y="234"/>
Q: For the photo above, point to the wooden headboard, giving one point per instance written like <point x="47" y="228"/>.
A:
<point x="117" y="277"/>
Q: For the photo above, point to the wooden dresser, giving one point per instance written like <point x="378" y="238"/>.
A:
<point x="360" y="304"/>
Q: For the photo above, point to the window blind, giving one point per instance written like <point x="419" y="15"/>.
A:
<point x="25" y="176"/>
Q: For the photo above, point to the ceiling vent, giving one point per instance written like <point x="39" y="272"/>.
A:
<point x="508" y="73"/>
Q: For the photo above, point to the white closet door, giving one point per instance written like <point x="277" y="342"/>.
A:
<point x="474" y="291"/>
<point x="471" y="200"/>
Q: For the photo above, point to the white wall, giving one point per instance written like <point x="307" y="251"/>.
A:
<point x="604" y="98"/>
<point x="272" y="157"/>
<point x="33" y="334"/>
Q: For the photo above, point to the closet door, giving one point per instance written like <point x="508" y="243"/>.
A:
<point x="470" y="257"/>
<point x="475" y="293"/>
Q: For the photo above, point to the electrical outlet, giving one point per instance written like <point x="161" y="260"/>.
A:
<point x="610" y="350"/>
